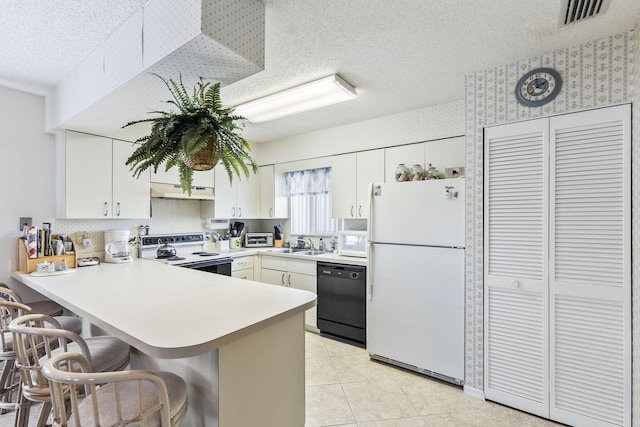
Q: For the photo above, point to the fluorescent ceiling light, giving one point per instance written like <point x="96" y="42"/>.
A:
<point x="319" y="93"/>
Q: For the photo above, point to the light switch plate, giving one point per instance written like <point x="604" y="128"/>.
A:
<point x="25" y="221"/>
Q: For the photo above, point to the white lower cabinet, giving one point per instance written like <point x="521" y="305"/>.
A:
<point x="294" y="273"/>
<point x="242" y="267"/>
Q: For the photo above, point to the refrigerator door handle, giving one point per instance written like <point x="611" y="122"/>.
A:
<point x="370" y="227"/>
<point x="369" y="269"/>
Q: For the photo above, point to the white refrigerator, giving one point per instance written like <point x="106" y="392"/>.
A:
<point x="415" y="288"/>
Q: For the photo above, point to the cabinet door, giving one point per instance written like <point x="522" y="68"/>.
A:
<point x="267" y="191"/>
<point x="306" y="283"/>
<point x="369" y="169"/>
<point x="274" y="202"/>
<point x="131" y="198"/>
<point x="407" y="154"/>
<point x="343" y="186"/>
<point x="274" y="277"/>
<point x="590" y="267"/>
<point x="225" y="200"/>
<point x="88" y="176"/>
<point x="247" y="196"/>
<point x="516" y="369"/>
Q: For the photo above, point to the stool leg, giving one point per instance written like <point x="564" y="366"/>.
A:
<point x="22" y="412"/>
<point x="45" y="412"/>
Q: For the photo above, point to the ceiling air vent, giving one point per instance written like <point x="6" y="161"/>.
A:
<point x="578" y="10"/>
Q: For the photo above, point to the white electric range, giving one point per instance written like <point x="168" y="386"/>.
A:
<point x="190" y="252"/>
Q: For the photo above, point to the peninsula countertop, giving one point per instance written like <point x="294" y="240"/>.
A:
<point x="166" y="311"/>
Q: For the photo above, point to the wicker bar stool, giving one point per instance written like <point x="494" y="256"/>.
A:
<point x="9" y="381"/>
<point x="44" y="306"/>
<point x="37" y="338"/>
<point x="113" y="398"/>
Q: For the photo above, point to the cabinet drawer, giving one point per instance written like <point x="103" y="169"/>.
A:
<point x="242" y="263"/>
<point x="274" y="262"/>
<point x="301" y="266"/>
<point x="243" y="274"/>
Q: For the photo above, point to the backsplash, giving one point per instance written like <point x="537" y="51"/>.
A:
<point x="167" y="216"/>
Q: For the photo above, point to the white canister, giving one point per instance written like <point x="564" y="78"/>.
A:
<point x="235" y="243"/>
<point x="222" y="245"/>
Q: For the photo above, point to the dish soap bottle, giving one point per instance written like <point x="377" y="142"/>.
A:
<point x="321" y="245"/>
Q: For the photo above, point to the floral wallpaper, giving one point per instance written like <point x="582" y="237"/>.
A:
<point x="599" y="73"/>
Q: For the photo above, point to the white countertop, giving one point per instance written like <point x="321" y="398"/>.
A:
<point x="167" y="311"/>
<point x="325" y="257"/>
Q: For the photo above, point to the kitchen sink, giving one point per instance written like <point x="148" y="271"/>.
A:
<point x="296" y="251"/>
<point x="313" y="252"/>
<point x="287" y="250"/>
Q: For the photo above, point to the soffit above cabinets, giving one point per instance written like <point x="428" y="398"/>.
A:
<point x="221" y="41"/>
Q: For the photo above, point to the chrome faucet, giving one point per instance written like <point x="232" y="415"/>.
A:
<point x="302" y="240"/>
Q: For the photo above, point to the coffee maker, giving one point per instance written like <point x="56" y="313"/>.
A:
<point x="116" y="246"/>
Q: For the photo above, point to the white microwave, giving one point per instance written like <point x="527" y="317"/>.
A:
<point x="352" y="243"/>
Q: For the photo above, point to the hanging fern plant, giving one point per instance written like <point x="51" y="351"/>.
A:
<point x="195" y="137"/>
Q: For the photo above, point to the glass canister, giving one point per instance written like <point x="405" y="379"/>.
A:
<point x="402" y="172"/>
<point x="417" y="173"/>
<point x="432" y="172"/>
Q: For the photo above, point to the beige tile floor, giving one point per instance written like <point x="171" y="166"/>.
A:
<point x="345" y="388"/>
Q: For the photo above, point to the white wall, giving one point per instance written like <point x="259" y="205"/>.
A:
<point x="26" y="170"/>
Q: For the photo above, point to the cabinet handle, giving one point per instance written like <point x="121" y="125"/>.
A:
<point x="360" y="211"/>
<point x="239" y="212"/>
<point x="118" y="209"/>
<point x="352" y="211"/>
<point x="105" y="209"/>
<point x="233" y="212"/>
<point x="282" y="279"/>
<point x="241" y="263"/>
<point x="270" y="212"/>
<point x="289" y="280"/>
<point x="515" y="284"/>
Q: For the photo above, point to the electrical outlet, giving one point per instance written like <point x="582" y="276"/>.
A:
<point x="25" y="221"/>
<point x="86" y="241"/>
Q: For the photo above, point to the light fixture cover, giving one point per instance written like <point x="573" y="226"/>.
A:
<point x="319" y="93"/>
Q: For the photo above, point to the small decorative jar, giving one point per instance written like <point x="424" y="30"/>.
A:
<point x="432" y="172"/>
<point x="402" y="172"/>
<point x="417" y="173"/>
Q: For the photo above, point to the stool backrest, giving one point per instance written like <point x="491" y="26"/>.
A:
<point x="106" y="398"/>
<point x="36" y="337"/>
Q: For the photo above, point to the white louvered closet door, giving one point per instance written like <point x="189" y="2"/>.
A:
<point x="590" y="271"/>
<point x="515" y="253"/>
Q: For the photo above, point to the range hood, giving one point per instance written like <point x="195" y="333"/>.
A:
<point x="174" y="191"/>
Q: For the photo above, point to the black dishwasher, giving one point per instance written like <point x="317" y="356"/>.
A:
<point x="342" y="310"/>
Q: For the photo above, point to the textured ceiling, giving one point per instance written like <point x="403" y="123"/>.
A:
<point x="399" y="54"/>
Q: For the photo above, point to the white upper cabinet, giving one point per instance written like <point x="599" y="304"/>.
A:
<point x="273" y="199"/>
<point x="131" y="197"/>
<point x="343" y="186"/>
<point x="350" y="176"/>
<point x="97" y="182"/>
<point x="240" y="199"/>
<point x="369" y="169"/>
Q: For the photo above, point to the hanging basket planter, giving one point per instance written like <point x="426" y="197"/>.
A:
<point x="199" y="119"/>
<point x="205" y="159"/>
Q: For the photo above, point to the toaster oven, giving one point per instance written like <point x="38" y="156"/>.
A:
<point x="258" y="240"/>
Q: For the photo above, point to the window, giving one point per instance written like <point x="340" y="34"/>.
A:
<point x="309" y="192"/>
